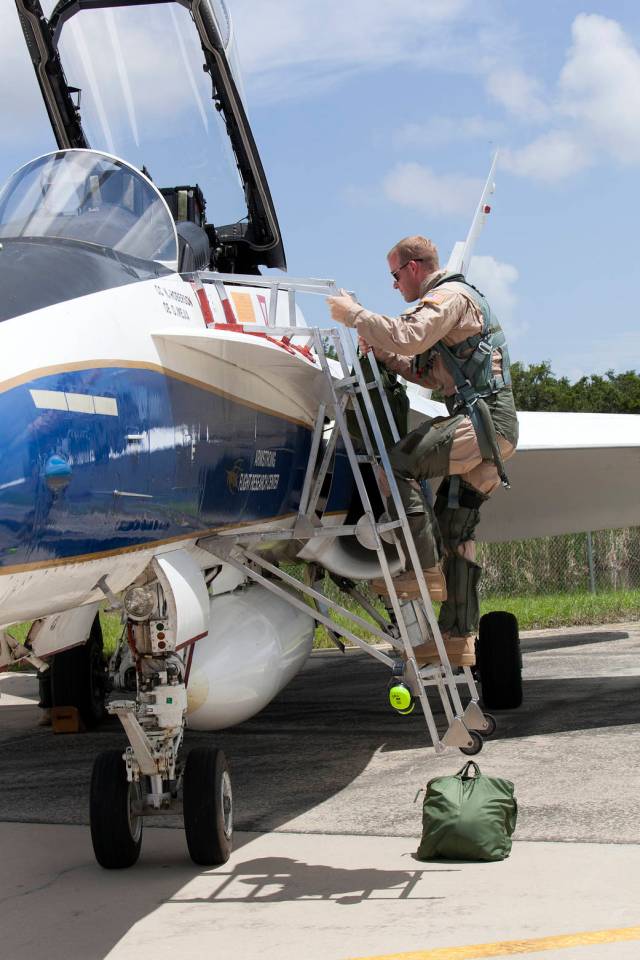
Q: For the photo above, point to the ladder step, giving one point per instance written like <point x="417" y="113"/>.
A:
<point x="364" y="458"/>
<point x="351" y="383"/>
<point x="388" y="525"/>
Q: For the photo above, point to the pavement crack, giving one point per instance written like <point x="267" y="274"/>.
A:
<point x="43" y="886"/>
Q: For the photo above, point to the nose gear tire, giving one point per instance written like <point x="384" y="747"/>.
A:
<point x="208" y="806"/>
<point x="116" y="826"/>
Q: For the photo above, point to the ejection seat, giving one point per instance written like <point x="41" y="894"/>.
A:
<point x="187" y="206"/>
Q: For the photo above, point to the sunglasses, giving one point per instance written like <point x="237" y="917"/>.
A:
<point x="396" y="273"/>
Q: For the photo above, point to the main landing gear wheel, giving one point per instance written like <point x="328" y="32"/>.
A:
<point x="78" y="678"/>
<point x="208" y="806"/>
<point x="476" y="745"/>
<point x="499" y="661"/>
<point x="115" y="805"/>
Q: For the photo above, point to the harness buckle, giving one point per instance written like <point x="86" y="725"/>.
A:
<point x="468" y="395"/>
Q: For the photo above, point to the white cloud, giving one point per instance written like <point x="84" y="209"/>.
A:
<point x="518" y="92"/>
<point x="497" y="281"/>
<point x="290" y="48"/>
<point x="551" y="157"/>
<point x="600" y="86"/>
<point x="596" y="110"/>
<point x="440" y="195"/>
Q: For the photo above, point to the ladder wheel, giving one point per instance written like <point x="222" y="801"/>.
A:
<point x="116" y="823"/>
<point x="208" y="806"/>
<point x="475" y="747"/>
<point x="492" y="726"/>
<point x="499" y="661"/>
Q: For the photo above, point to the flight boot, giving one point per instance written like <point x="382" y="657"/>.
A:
<point x="406" y="585"/>
<point x="460" y="650"/>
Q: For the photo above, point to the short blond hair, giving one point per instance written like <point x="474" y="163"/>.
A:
<point x="417" y="248"/>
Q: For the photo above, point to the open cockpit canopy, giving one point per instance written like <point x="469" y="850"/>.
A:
<point x="157" y="83"/>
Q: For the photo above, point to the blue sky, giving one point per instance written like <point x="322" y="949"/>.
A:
<point x="378" y="123"/>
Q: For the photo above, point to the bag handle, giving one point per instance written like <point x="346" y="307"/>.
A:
<point x="464" y="772"/>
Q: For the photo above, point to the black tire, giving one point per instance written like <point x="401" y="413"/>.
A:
<point x="116" y="831"/>
<point x="499" y="661"/>
<point x="476" y="745"/>
<point x="78" y="678"/>
<point x="208" y="806"/>
<point x="491" y="728"/>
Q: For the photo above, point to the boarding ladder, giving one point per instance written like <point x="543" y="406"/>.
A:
<point x="408" y="623"/>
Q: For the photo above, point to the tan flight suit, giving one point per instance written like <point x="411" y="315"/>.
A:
<point x="442" y="446"/>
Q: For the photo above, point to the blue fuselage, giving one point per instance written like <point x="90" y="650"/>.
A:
<point x="149" y="458"/>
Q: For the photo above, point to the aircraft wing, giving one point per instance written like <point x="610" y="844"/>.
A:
<point x="572" y="472"/>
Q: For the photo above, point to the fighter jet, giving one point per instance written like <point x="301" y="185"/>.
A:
<point x="150" y="412"/>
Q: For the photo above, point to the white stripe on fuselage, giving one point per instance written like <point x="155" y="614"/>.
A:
<point x="74" y="402"/>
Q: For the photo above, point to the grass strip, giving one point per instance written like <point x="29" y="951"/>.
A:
<point x="533" y="613"/>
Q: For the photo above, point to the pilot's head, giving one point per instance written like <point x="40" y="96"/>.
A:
<point x="411" y="261"/>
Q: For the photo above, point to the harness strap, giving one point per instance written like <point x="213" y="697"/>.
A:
<point x="482" y="344"/>
<point x="463" y="372"/>
<point x="453" y="493"/>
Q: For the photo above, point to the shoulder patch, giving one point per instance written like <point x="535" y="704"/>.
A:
<point x="438" y="296"/>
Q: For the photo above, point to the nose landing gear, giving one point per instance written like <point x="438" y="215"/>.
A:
<point x="150" y="777"/>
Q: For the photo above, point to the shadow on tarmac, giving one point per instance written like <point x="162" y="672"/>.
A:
<point x="283" y="880"/>
<point x="567" y="640"/>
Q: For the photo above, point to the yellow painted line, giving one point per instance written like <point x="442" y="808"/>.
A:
<point x="509" y="948"/>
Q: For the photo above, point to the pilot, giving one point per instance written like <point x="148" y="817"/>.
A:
<point x="450" y="341"/>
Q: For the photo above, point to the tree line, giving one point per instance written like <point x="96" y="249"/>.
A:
<point x="536" y="388"/>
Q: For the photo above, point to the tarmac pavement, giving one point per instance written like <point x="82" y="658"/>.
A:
<point x="325" y="781"/>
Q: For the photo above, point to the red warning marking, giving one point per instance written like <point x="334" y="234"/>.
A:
<point x="228" y="311"/>
<point x="262" y="300"/>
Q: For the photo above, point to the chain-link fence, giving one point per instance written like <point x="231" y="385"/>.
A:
<point x="603" y="560"/>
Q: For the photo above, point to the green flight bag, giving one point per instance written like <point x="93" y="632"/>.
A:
<point x="396" y="394"/>
<point x="467" y="816"/>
